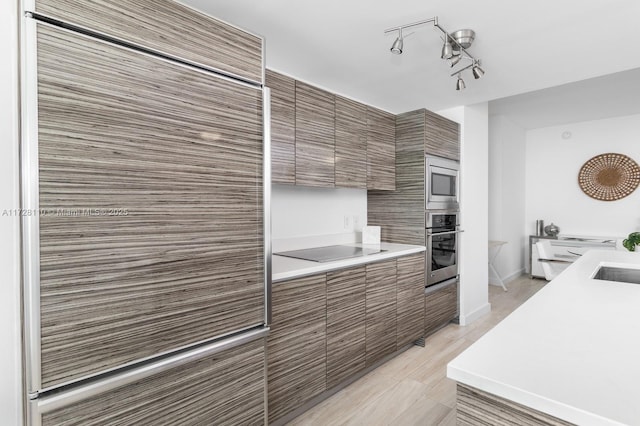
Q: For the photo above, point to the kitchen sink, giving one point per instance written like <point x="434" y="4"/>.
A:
<point x="623" y="275"/>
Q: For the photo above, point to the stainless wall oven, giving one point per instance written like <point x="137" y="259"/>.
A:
<point x="441" y="183"/>
<point x="443" y="229"/>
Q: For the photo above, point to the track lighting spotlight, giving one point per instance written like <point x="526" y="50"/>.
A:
<point x="477" y="71"/>
<point x="454" y="48"/>
<point x="396" y="47"/>
<point x="447" y="50"/>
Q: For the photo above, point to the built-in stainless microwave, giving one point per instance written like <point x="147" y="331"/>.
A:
<point x="442" y="183"/>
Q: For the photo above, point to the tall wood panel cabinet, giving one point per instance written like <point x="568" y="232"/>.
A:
<point x="315" y="136"/>
<point x="400" y="213"/>
<point x="149" y="165"/>
<point x="381" y="149"/>
<point x="283" y="127"/>
<point x="441" y="136"/>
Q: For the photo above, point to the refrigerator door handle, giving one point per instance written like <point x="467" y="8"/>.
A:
<point x="30" y="205"/>
<point x="266" y="176"/>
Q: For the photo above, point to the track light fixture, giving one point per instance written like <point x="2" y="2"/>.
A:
<point x="396" y="47"/>
<point x="447" y="49"/>
<point x="454" y="48"/>
<point x="477" y="71"/>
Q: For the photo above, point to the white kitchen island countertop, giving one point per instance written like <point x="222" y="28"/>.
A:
<point x="571" y="351"/>
<point x="286" y="268"/>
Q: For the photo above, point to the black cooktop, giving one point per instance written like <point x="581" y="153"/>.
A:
<point x="329" y="253"/>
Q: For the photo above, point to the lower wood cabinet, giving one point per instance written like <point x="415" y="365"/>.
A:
<point x="441" y="305"/>
<point x="475" y="407"/>
<point x="346" y="350"/>
<point x="296" y="347"/>
<point x="380" y="310"/>
<point x="223" y="388"/>
<point x="409" y="304"/>
<point x="326" y="328"/>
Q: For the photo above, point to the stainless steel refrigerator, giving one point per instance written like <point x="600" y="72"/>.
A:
<point x="145" y="180"/>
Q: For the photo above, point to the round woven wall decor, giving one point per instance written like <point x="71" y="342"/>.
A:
<point x="609" y="177"/>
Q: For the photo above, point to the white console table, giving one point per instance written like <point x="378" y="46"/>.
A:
<point x="564" y="243"/>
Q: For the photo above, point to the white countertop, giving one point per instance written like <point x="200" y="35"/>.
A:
<point x="285" y="268"/>
<point x="572" y="350"/>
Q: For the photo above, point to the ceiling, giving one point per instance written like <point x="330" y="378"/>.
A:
<point x="524" y="46"/>
<point x="612" y="95"/>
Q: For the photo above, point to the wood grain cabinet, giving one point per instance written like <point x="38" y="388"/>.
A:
<point x="441" y="306"/>
<point x="296" y="347"/>
<point x="346" y="351"/>
<point x="442" y="136"/>
<point x="283" y="127"/>
<point x="380" y="310"/>
<point x="410" y="304"/>
<point x="351" y="144"/>
<point x="179" y="256"/>
<point x="315" y="136"/>
<point x="226" y="388"/>
<point x="172" y="28"/>
<point x="381" y="150"/>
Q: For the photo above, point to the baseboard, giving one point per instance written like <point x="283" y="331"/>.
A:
<point x="512" y="276"/>
<point x="475" y="315"/>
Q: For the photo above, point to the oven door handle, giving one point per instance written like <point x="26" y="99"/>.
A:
<point x="445" y="233"/>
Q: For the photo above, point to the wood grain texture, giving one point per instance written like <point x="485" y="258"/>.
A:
<point x="440" y="307"/>
<point x="400" y="213"/>
<point x="296" y="349"/>
<point x="283" y="127"/>
<point x="380" y="310"/>
<point x="168" y="27"/>
<point x="442" y="136"/>
<point x="346" y="350"/>
<point x="222" y="389"/>
<point x="475" y="408"/>
<point x="181" y="151"/>
<point x="410" y="298"/>
<point x="315" y="136"/>
<point x="381" y="151"/>
<point x="351" y="144"/>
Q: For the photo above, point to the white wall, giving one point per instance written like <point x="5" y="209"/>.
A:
<point x="474" y="293"/>
<point x="552" y="166"/>
<point x="299" y="211"/>
<point x="10" y="354"/>
<point x="507" y="196"/>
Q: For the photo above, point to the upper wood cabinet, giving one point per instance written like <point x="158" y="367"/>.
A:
<point x="381" y="149"/>
<point x="315" y="136"/>
<point x="351" y="144"/>
<point x="173" y="28"/>
<point x="326" y="140"/>
<point x="283" y="127"/>
<point x="441" y="136"/>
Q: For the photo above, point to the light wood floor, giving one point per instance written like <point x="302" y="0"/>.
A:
<point x="412" y="389"/>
